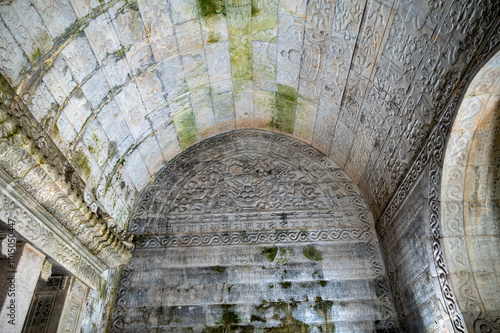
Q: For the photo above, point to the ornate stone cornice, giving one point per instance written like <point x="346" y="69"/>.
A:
<point x="33" y="222"/>
<point x="33" y="162"/>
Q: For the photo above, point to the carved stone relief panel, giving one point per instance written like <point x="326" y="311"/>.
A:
<point x="253" y="230"/>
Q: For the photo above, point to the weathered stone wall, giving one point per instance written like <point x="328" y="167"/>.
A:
<point x="407" y="248"/>
<point x="256" y="232"/>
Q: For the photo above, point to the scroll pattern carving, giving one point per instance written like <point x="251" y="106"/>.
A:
<point x="432" y="155"/>
<point x="38" y="233"/>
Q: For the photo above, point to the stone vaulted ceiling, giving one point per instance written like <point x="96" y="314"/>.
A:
<point x="122" y="87"/>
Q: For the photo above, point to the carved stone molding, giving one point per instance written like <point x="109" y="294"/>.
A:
<point x="42" y="230"/>
<point x="33" y="163"/>
<point x="292" y="236"/>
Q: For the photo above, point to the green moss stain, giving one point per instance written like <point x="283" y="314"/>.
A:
<point x="160" y="314"/>
<point x="102" y="291"/>
<point x="229" y="317"/>
<point x="211" y="8"/>
<point x="285" y="284"/>
<point x="35" y="55"/>
<point x="323" y="283"/>
<point x="81" y="163"/>
<point x="270" y="253"/>
<point x="120" y="53"/>
<point x="213" y="38"/>
<point x="323" y="309"/>
<point x="255" y="10"/>
<point x="283" y="312"/>
<point x="186" y="129"/>
<point x="311" y="253"/>
<point x="286" y="102"/>
<point x="257" y="318"/>
<point x="218" y="269"/>
<point x="240" y="38"/>
<point x="264" y="22"/>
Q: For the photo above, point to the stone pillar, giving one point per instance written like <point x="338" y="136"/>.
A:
<point x="19" y="272"/>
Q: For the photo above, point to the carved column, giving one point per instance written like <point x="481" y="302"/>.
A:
<point x="57" y="306"/>
<point x="19" y="274"/>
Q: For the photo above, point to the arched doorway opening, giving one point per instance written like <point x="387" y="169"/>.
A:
<point x="470" y="202"/>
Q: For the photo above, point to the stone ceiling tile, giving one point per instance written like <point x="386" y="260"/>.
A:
<point x="12" y="58"/>
<point x="218" y="61"/>
<point x="96" y="89"/>
<point x="225" y="115"/>
<point x="80" y="58"/>
<point x="183" y="10"/>
<point x="358" y="158"/>
<point x="152" y="154"/>
<point x="22" y="33"/>
<point x="201" y="100"/>
<point x="293" y="7"/>
<point x="185" y="126"/>
<point x="160" y="117"/>
<point x="289" y="50"/>
<point x="170" y="74"/>
<point x="115" y="126"/>
<point x="324" y="127"/>
<point x="40" y="103"/>
<point x="85" y="164"/>
<point x="102" y="39"/>
<point x="159" y="28"/>
<point x="265" y="20"/>
<point x="129" y="25"/>
<point x="305" y="117"/>
<point x="214" y="28"/>
<point x="140" y="57"/>
<point x="131" y="105"/>
<point x="265" y="85"/>
<point x="243" y="103"/>
<point x="168" y="142"/>
<point x="95" y="139"/>
<point x="123" y="186"/>
<point x="83" y="7"/>
<point x="136" y="169"/>
<point x="264" y="57"/>
<point x="378" y="21"/>
<point x="149" y="85"/>
<point x="340" y="146"/>
<point x="353" y="97"/>
<point x="335" y="75"/>
<point x="66" y="133"/>
<point x="59" y="80"/>
<point x="116" y="71"/>
<point x="77" y="110"/>
<point x="263" y="107"/>
<point x="192" y="54"/>
<point x="57" y="16"/>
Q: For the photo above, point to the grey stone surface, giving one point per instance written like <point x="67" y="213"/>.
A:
<point x="18" y="279"/>
<point x="240" y="233"/>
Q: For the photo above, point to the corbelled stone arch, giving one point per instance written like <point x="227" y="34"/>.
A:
<point x="253" y="230"/>
<point x="470" y="202"/>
